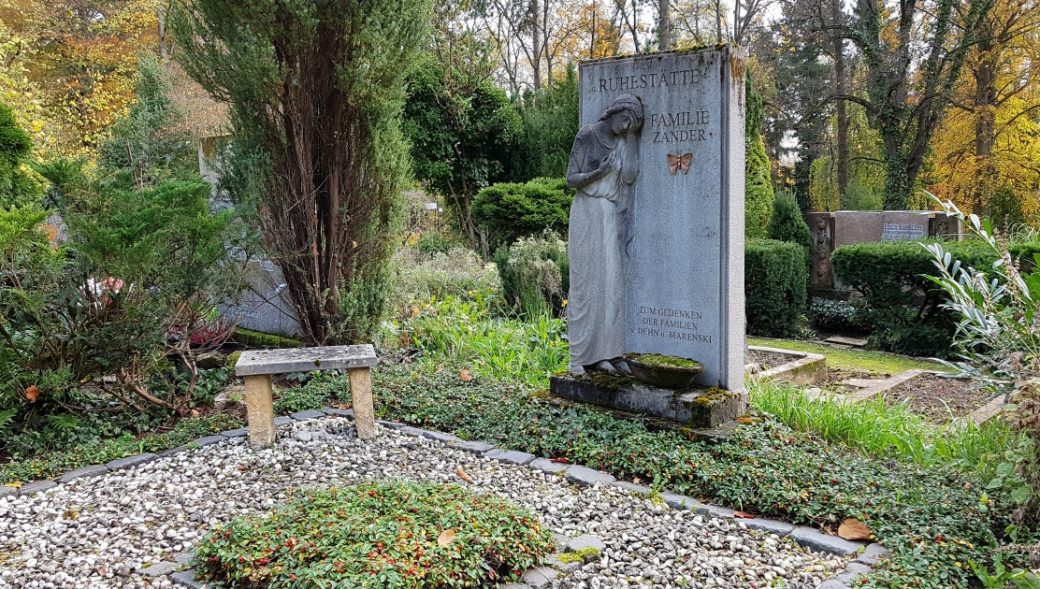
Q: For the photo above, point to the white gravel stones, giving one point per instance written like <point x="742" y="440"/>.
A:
<point x="101" y="532"/>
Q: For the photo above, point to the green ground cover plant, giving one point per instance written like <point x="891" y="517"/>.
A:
<point x="102" y="450"/>
<point x="935" y="519"/>
<point x="377" y="535"/>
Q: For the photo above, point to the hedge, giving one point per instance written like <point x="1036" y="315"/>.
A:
<point x="509" y="211"/>
<point x="904" y="307"/>
<point x="775" y="282"/>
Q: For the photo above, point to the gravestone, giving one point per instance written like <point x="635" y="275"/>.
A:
<point x="682" y="220"/>
<point x="263" y="303"/>
<point x="835" y="229"/>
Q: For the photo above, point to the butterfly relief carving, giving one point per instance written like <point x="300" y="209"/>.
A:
<point x="679" y="162"/>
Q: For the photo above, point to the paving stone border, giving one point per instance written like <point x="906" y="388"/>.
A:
<point x="867" y="555"/>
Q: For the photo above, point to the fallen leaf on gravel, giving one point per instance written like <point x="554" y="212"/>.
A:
<point x="853" y="529"/>
<point x="463" y="475"/>
<point x="743" y="515"/>
<point x="446" y="537"/>
<point x="465" y="375"/>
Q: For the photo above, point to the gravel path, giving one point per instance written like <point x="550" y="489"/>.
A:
<point x="97" y="532"/>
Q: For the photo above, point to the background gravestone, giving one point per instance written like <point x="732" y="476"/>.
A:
<point x="684" y="272"/>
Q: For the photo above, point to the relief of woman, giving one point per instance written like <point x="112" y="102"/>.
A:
<point x="603" y="167"/>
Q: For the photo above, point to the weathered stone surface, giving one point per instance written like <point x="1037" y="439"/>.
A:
<point x="633" y="487"/>
<point x="37" y="487"/>
<point x="5" y="491"/>
<point x="235" y="433"/>
<point x="585" y="542"/>
<point x="334" y="412"/>
<point x="87" y="471"/>
<point x="160" y="568"/>
<point x="512" y="456"/>
<point x="546" y="465"/>
<point x="439" y="436"/>
<point x="688" y="197"/>
<point x="474" y="447"/>
<point x="515" y="586"/>
<point x="872" y="554"/>
<point x="563" y="567"/>
<point x="696" y="407"/>
<point x="832" y="584"/>
<point x="187" y="579"/>
<point x="817" y="540"/>
<point x="676" y="501"/>
<point x="303" y="359"/>
<point x="713" y="511"/>
<point x="769" y="525"/>
<point x="857" y="567"/>
<point x="540" y="576"/>
<point x="305" y="415"/>
<point x="131" y="461"/>
<point x="210" y="440"/>
<point x="584" y="475"/>
<point x="282" y="420"/>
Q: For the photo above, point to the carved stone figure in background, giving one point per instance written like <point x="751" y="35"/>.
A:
<point x="603" y="167"/>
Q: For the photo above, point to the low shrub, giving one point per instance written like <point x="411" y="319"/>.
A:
<point x="901" y="303"/>
<point x="535" y="275"/>
<point x="775" y="283"/>
<point x="385" y="535"/>
<point x="509" y="211"/>
<point x="836" y="316"/>
<point x="421" y="277"/>
<point x="787" y="222"/>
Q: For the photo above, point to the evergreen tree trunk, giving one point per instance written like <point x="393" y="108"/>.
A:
<point x="536" y="44"/>
<point x="840" y="83"/>
<point x="664" y="25"/>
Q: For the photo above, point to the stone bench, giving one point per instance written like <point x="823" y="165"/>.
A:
<point x="257" y="367"/>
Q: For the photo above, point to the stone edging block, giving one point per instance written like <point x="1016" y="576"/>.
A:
<point x="584" y="475"/>
<point x="87" y="471"/>
<point x="817" y="540"/>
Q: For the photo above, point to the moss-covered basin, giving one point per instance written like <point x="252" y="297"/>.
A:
<point x="659" y="370"/>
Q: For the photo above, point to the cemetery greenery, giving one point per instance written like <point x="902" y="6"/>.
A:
<point x="904" y="307"/>
<point x="392" y="535"/>
<point x="775" y="282"/>
<point x="129" y="294"/>
<point x="508" y="211"/>
<point x="315" y="92"/>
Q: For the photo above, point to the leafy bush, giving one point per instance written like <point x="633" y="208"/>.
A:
<point x="775" y="283"/>
<point x="902" y="304"/>
<point x="835" y="316"/>
<point x="535" y="274"/>
<point x="509" y="211"/>
<point x="421" y="278"/>
<point x="550" y="118"/>
<point x="393" y="535"/>
<point x="997" y="308"/>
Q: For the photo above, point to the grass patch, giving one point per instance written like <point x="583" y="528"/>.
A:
<point x="885" y="430"/>
<point x="848" y="359"/>
<point x="100" y="451"/>
<point x="377" y="535"/>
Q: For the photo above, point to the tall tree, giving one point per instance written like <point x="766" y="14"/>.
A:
<point x="315" y="91"/>
<point x="907" y="96"/>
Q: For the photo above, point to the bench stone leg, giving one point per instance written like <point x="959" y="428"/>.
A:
<point x="260" y="409"/>
<point x="361" y="399"/>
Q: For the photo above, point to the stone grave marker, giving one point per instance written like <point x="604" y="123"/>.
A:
<point x="679" y="210"/>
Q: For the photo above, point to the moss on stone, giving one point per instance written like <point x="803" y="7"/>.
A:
<point x="666" y="361"/>
<point x="712" y="396"/>
<point x="579" y="556"/>
<point x="248" y="337"/>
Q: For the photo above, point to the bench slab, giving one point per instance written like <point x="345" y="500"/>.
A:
<point x="259" y="362"/>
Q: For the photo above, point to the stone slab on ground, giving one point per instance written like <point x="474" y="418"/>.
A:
<point x="36" y="487"/>
<point x="187" y="579"/>
<point x="805" y="367"/>
<point x="633" y="487"/>
<point x="872" y="554"/>
<point x="875" y="387"/>
<point x="282" y="420"/>
<point x="305" y="415"/>
<point x="584" y="475"/>
<point x="6" y="490"/>
<point x="817" y="540"/>
<point x="540" y="576"/>
<point x="87" y="471"/>
<point x="988" y="411"/>
<point x="548" y="466"/>
<point x="585" y="542"/>
<point x="160" y="568"/>
<point x="131" y="461"/>
<point x="512" y="456"/>
<point x="676" y="501"/>
<point x="770" y="525"/>
<point x="695" y="407"/>
<point x="841" y="340"/>
<point x="256" y="362"/>
<point x="235" y="433"/>
<point x="336" y="412"/>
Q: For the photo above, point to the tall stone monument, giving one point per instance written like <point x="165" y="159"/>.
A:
<point x="678" y="207"/>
